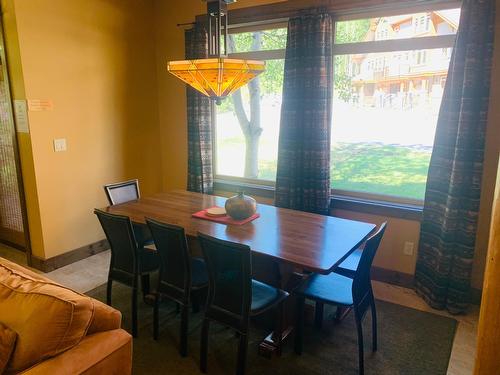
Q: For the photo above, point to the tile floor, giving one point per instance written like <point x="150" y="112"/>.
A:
<point x="92" y="272"/>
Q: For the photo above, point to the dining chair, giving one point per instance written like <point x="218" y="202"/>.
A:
<point x="128" y="260"/>
<point x="347" y="268"/>
<point x="180" y="274"/>
<point x="123" y="192"/>
<point x="233" y="296"/>
<point x="355" y="293"/>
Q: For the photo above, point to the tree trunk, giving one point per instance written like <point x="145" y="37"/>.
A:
<point x="250" y="127"/>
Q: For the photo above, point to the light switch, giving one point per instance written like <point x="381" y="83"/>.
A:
<point x="60" y="144"/>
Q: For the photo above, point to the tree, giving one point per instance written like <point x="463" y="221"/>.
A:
<point x="250" y="125"/>
<point x="349" y="32"/>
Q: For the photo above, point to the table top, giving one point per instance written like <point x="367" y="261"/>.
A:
<point x="312" y="242"/>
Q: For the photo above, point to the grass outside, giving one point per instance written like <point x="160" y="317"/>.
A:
<point x="375" y="168"/>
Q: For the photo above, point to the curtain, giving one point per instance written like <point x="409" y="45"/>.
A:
<point x="449" y="225"/>
<point x="303" y="175"/>
<point x="199" y="120"/>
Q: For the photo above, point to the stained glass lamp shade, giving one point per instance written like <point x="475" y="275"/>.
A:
<point x="216" y="77"/>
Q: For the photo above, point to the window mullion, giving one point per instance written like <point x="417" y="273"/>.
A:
<point x="441" y="41"/>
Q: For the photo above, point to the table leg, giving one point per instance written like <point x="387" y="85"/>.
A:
<point x="289" y="280"/>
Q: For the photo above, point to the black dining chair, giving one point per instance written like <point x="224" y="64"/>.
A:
<point x="128" y="260"/>
<point x="347" y="268"/>
<point x="355" y="293"/>
<point x="233" y="296"/>
<point x="180" y="274"/>
<point x="123" y="192"/>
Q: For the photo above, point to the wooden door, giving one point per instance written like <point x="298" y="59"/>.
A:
<point x="488" y="339"/>
<point x="11" y="208"/>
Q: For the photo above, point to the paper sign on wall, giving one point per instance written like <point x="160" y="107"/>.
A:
<point x="40" y="105"/>
<point x="21" y="116"/>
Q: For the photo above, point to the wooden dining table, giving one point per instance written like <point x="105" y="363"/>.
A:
<point x="285" y="243"/>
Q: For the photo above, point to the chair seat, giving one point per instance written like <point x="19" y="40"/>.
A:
<point x="265" y="296"/>
<point x="349" y="266"/>
<point x="332" y="288"/>
<point x="199" y="276"/>
<point x="149" y="260"/>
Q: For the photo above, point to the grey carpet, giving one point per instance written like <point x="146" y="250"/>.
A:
<point x="410" y="342"/>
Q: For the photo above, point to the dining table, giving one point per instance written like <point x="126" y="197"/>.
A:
<point x="286" y="244"/>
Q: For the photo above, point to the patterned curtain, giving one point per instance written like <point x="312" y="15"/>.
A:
<point x="448" y="233"/>
<point x="199" y="120"/>
<point x="303" y="176"/>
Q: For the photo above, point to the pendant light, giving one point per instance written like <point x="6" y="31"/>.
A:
<point x="216" y="76"/>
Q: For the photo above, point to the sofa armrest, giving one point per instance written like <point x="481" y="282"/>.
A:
<point x="107" y="352"/>
<point x="105" y="318"/>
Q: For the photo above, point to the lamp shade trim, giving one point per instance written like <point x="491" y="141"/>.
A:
<point x="216" y="77"/>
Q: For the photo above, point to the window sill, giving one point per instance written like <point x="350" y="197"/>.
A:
<point x="377" y="207"/>
<point x="338" y="202"/>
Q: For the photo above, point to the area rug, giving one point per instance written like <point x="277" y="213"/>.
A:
<point x="410" y="342"/>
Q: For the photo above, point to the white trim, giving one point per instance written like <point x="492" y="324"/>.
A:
<point x="428" y="42"/>
<point x="276" y="54"/>
<point x="396" y="10"/>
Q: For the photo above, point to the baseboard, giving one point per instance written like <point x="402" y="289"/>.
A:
<point x="51" y="264"/>
<point x="393" y="277"/>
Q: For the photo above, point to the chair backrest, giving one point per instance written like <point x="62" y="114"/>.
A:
<point x="121" y="192"/>
<point x="361" y="286"/>
<point x="175" y="260"/>
<point x="229" y="267"/>
<point x="121" y="238"/>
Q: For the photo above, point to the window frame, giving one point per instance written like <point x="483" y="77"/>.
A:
<point x="266" y="187"/>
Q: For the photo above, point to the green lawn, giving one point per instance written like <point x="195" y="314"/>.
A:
<point x="380" y="169"/>
<point x="366" y="167"/>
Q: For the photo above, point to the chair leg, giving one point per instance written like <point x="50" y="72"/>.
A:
<point x="156" y="318"/>
<point x="279" y="328"/>
<point x="204" y="345"/>
<point x="318" y="315"/>
<point x="341" y="313"/>
<point x="299" y="329"/>
<point x="195" y="302"/>
<point x="184" y="330"/>
<point x="242" y="354"/>
<point x="374" y="326"/>
<point x="361" y="354"/>
<point x="145" y="285"/>
<point x="108" y="292"/>
<point x="134" y="311"/>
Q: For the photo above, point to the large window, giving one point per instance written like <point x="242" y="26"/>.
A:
<point x="389" y="75"/>
<point x="247" y="123"/>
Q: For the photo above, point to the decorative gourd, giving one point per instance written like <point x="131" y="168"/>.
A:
<point x="241" y="206"/>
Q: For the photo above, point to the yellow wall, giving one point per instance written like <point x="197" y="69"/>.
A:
<point x="95" y="60"/>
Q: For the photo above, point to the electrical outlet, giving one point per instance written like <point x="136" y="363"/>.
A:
<point x="408" y="249"/>
<point x="60" y="144"/>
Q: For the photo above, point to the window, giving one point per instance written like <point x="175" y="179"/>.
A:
<point x="384" y="119"/>
<point x="247" y="123"/>
<point x="388" y="84"/>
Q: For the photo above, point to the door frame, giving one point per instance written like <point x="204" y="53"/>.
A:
<point x="15" y="143"/>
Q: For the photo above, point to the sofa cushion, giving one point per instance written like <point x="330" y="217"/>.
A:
<point x="7" y="343"/>
<point x="47" y="317"/>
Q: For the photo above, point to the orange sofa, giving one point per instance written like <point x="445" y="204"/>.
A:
<point x="59" y="331"/>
